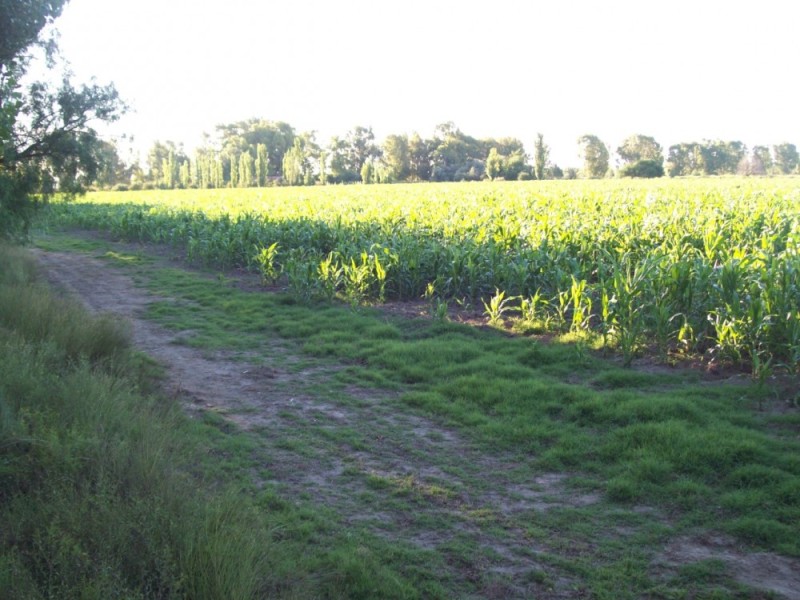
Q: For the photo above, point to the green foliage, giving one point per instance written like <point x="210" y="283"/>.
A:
<point x="396" y="155"/>
<point x="594" y="155"/>
<point x="91" y="492"/>
<point x="786" y="158"/>
<point x="706" y="158"/>
<point x="46" y="139"/>
<point x="494" y="164"/>
<point x="643" y="168"/>
<point x="541" y="154"/>
<point x="637" y="148"/>
<point x="646" y="438"/>
<point x="21" y="23"/>
<point x="681" y="267"/>
<point x="265" y="260"/>
<point x="498" y="306"/>
<point x="295" y="165"/>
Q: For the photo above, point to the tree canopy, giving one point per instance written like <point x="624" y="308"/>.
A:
<point x="595" y="156"/>
<point x="48" y="142"/>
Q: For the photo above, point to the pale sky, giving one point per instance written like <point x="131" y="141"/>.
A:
<point x="680" y="70"/>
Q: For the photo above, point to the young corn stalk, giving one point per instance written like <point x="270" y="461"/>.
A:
<point x="329" y="272"/>
<point x="792" y="343"/>
<point x="497" y="307"/>
<point x="358" y="279"/>
<point x="301" y="275"/>
<point x="266" y="263"/>
<point x="757" y="324"/>
<point x="562" y="308"/>
<point x="629" y="283"/>
<point x="606" y="315"/>
<point x="437" y="306"/>
<point x="529" y="307"/>
<point x="581" y="305"/>
<point x="380" y="279"/>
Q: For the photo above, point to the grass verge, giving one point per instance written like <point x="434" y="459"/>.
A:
<point x="101" y="495"/>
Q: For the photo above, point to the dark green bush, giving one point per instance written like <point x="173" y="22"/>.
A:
<point x="646" y="169"/>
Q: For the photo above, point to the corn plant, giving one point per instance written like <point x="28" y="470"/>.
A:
<point x="498" y="306"/>
<point x="529" y="307"/>
<point x="715" y="240"/>
<point x="629" y="284"/>
<point x="380" y="278"/>
<point x="265" y="261"/>
<point x="301" y="274"/>
<point x="561" y="307"/>
<point x="581" y="303"/>
<point x="756" y="324"/>
<point x="330" y="274"/>
<point x="357" y="279"/>
<point x="606" y="325"/>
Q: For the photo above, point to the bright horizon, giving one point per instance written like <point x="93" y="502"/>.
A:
<point x="681" y="72"/>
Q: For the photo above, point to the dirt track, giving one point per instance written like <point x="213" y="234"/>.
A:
<point x="451" y="481"/>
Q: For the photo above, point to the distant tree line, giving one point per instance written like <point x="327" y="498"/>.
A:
<point x="642" y="156"/>
<point x="258" y="153"/>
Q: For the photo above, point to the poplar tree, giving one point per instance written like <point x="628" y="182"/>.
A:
<point x="294" y="164"/>
<point x="218" y="173"/>
<point x="234" y="170"/>
<point x="184" y="174"/>
<point x="245" y="170"/>
<point x="262" y="165"/>
<point x="541" y="154"/>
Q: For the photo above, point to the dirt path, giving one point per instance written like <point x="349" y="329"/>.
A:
<point x="400" y="475"/>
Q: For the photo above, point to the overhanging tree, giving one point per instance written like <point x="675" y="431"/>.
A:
<point x="48" y="143"/>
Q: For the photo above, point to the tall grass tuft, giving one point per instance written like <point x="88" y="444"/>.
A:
<point x="96" y="499"/>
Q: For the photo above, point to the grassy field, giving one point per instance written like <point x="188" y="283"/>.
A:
<point x="427" y="458"/>
<point x="676" y="267"/>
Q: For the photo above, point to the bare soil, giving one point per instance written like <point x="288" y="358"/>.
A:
<point x="397" y="472"/>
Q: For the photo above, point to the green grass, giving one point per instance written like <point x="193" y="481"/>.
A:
<point x="109" y="493"/>
<point x="642" y="437"/>
<point x="701" y="454"/>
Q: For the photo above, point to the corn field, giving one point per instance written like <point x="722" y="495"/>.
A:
<point x="674" y="266"/>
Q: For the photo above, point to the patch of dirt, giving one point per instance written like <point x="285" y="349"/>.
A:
<point x="760" y="570"/>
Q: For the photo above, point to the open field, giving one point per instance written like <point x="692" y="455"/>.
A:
<point x="682" y="267"/>
<point x="388" y="451"/>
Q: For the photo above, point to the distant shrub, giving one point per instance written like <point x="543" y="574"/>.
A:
<point x="645" y="168"/>
<point x="120" y="187"/>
